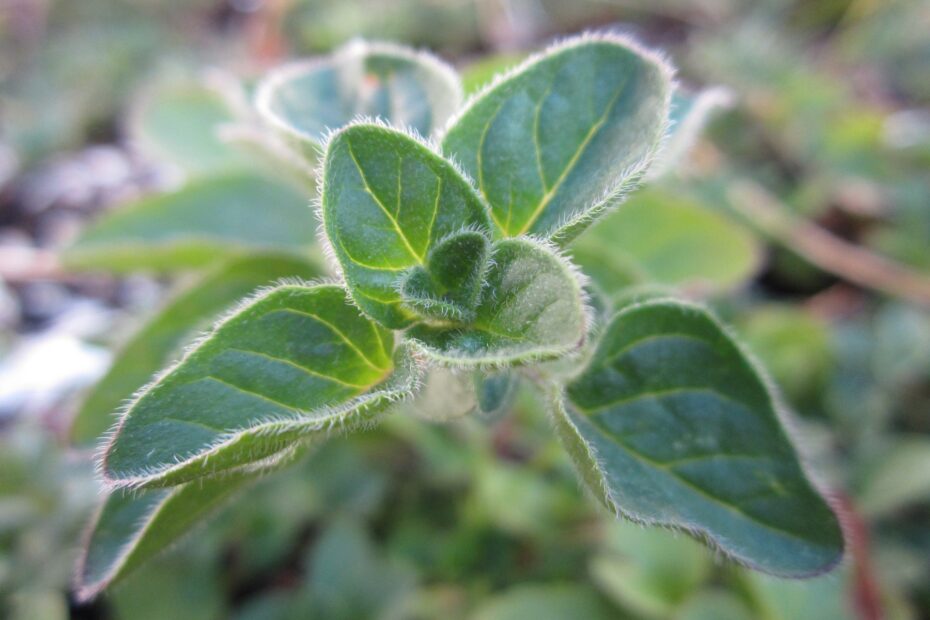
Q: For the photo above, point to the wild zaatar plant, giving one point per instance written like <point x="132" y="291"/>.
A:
<point x="451" y="255"/>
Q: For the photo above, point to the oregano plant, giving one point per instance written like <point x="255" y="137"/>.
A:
<point x="450" y="247"/>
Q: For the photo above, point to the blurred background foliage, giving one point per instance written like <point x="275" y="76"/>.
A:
<point x="111" y="123"/>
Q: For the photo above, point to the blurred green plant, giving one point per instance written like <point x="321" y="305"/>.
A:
<point x="460" y="244"/>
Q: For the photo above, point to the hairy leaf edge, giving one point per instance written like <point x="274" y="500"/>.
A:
<point x="332" y="417"/>
<point x="515" y="358"/>
<point x="596" y="484"/>
<point x="573" y="224"/>
<point x="355" y="47"/>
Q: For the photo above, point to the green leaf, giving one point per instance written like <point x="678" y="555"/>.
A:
<point x="671" y="424"/>
<point x="409" y="89"/>
<point x="690" y="112"/>
<point x="133" y="526"/>
<point x="563" y="137"/>
<point x="545" y="602"/>
<point x="203" y="222"/>
<point x="177" y="121"/>
<point x="532" y="308"/>
<point x="291" y="364"/>
<point x="660" y="237"/>
<point x="448" y="287"/>
<point x="387" y="202"/>
<point x="898" y="478"/>
<point x="495" y="392"/>
<point x="191" y="310"/>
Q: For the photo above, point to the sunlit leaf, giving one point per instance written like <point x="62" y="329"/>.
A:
<point x="291" y="364"/>
<point x="671" y="424"/>
<point x="387" y="202"/>
<point x="207" y="220"/>
<point x="532" y="308"/>
<point x="564" y="136"/>
<point x="159" y="340"/>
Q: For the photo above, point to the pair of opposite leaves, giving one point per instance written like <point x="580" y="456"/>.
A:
<point x="549" y="149"/>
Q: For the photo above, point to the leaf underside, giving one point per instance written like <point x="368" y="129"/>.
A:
<point x="387" y="201"/>
<point x="670" y="424"/>
<point x="532" y="308"/>
<point x="557" y="143"/>
<point x="290" y="365"/>
<point x="409" y="90"/>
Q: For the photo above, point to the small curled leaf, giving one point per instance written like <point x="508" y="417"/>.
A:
<point x="387" y="202"/>
<point x="532" y="309"/>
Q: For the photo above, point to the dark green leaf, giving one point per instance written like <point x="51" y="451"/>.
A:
<point x="409" y="89"/>
<point x="190" y="311"/>
<point x="532" y="308"/>
<point x="448" y="287"/>
<point x="205" y="221"/>
<point x="671" y="424"/>
<point x="387" y="201"/>
<point x="134" y="526"/>
<point x="291" y="364"/>
<point x="563" y="137"/>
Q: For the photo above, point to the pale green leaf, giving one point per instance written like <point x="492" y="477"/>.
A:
<point x="532" y="308"/>
<point x="409" y="89"/>
<point x="671" y="424"/>
<point x="897" y="478"/>
<point x="561" y="138"/>
<point x="662" y="238"/>
<point x="387" y="201"/>
<point x="546" y="602"/>
<point x="293" y="363"/>
<point x="191" y="310"/>
<point x="495" y="392"/>
<point x="690" y="112"/>
<point x="207" y="220"/>
<point x="177" y="121"/>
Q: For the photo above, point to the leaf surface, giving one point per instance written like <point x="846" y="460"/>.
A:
<point x="408" y="89"/>
<point x="564" y="136"/>
<point x="155" y="344"/>
<point x="207" y="220"/>
<point x="291" y="364"/>
<point x="387" y="202"/>
<point x="134" y="526"/>
<point x="671" y="424"/>
<point x="532" y="308"/>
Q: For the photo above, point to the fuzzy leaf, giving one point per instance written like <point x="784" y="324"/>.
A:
<point x="671" y="424"/>
<point x="449" y="286"/>
<point x="205" y="221"/>
<point x="155" y="344"/>
<point x="561" y="139"/>
<point x="408" y="89"/>
<point x="531" y="309"/>
<point x="387" y="201"/>
<point x="134" y="526"/>
<point x="291" y="364"/>
<point x="661" y="238"/>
